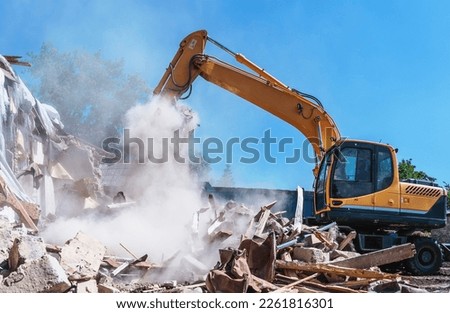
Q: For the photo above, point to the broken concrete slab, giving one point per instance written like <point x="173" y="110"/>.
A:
<point x="25" y="248"/>
<point x="310" y="255"/>
<point x="5" y="238"/>
<point x="76" y="162"/>
<point x="40" y="275"/>
<point x="82" y="256"/>
<point x="9" y="214"/>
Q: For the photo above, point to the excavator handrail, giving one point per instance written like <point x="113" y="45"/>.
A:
<point x="261" y="89"/>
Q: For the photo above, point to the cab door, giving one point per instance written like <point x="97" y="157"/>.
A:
<point x="353" y="177"/>
<point x="320" y="186"/>
<point x="363" y="180"/>
<point x="387" y="193"/>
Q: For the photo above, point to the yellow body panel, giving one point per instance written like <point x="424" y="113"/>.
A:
<point x="418" y="197"/>
<point x="388" y="198"/>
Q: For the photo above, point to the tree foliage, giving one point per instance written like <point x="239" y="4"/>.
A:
<point x="91" y="93"/>
<point x="407" y="170"/>
<point x="447" y="186"/>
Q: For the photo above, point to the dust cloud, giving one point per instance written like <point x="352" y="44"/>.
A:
<point x="166" y="195"/>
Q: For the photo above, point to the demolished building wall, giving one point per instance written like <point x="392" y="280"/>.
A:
<point x="34" y="149"/>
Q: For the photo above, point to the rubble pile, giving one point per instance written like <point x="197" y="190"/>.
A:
<point x="272" y="255"/>
<point x="276" y="255"/>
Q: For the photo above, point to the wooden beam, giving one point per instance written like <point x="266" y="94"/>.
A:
<point x="52" y="248"/>
<point x="7" y="197"/>
<point x="380" y="257"/>
<point x="264" y="283"/>
<point x="347" y="240"/>
<point x="331" y="288"/>
<point x="332" y="269"/>
<point x="356" y="283"/>
<point x="250" y="230"/>
<point x="303" y="289"/>
<point x="298" y="282"/>
<point x="127" y="250"/>
<point x="286" y="256"/>
<point x="13" y="59"/>
<point x="324" y="239"/>
<point x="262" y="222"/>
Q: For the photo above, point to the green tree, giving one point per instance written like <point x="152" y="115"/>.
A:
<point x="447" y="186"/>
<point x="407" y="170"/>
<point x="91" y="94"/>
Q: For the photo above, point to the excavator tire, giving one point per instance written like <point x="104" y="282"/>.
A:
<point x="428" y="258"/>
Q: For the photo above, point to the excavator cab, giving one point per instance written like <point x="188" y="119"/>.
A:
<point x="357" y="176"/>
<point x="358" y="185"/>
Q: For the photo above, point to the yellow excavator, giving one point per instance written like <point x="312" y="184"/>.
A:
<point x="356" y="183"/>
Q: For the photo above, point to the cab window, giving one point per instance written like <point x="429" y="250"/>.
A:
<point x="352" y="173"/>
<point x="385" y="169"/>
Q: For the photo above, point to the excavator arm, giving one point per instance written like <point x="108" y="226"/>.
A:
<point x="261" y="89"/>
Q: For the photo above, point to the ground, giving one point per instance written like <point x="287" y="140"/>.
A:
<point x="435" y="283"/>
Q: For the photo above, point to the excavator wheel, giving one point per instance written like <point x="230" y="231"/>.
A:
<point x="428" y="258"/>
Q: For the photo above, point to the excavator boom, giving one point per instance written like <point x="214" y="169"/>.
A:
<point x="261" y="89"/>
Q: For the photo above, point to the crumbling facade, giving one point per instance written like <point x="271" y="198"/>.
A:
<point x="41" y="165"/>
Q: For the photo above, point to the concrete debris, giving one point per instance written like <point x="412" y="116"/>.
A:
<point x="39" y="275"/>
<point x="89" y="286"/>
<point x="103" y="288"/>
<point x="6" y="237"/>
<point x="25" y="248"/>
<point x="81" y="256"/>
<point x="310" y="255"/>
<point x="312" y="259"/>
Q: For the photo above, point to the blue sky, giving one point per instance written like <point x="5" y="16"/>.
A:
<point x="381" y="68"/>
